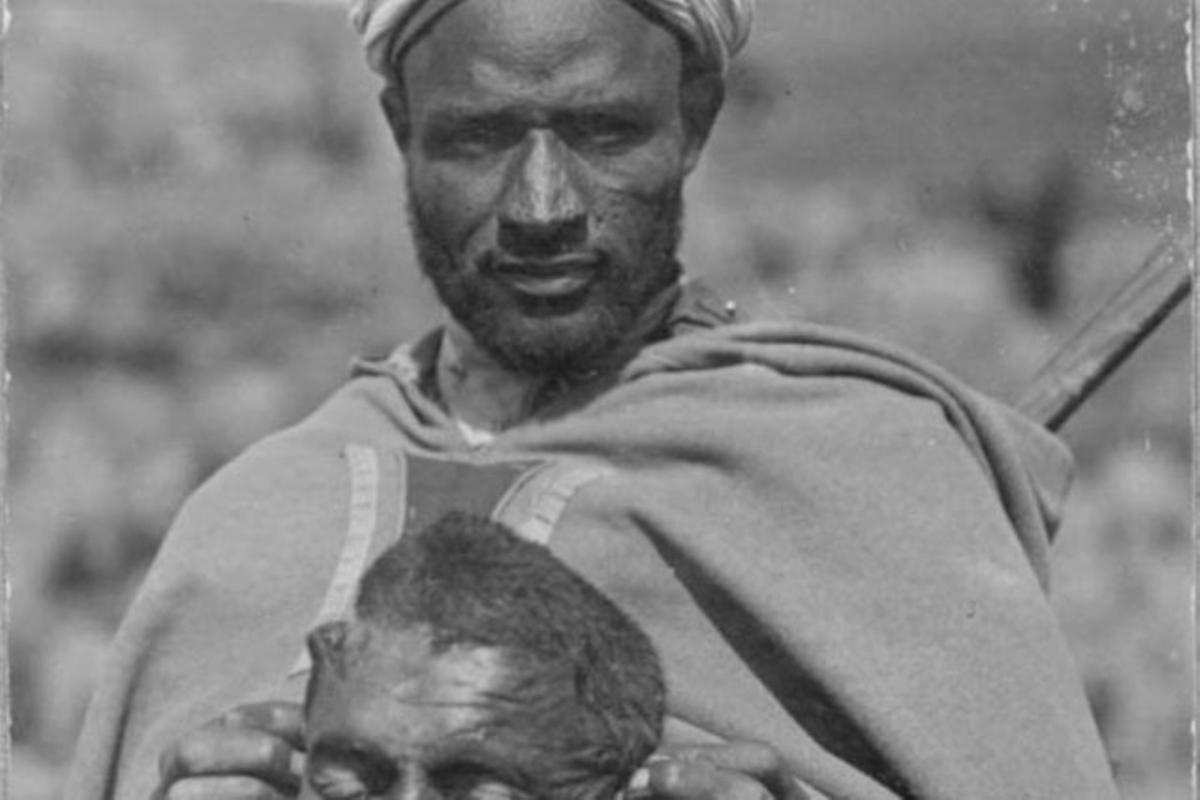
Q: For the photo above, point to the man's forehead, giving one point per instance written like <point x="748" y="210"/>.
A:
<point x="387" y="676"/>
<point x="584" y="48"/>
<point x="410" y="662"/>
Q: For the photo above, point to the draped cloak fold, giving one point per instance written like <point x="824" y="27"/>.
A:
<point x="836" y="547"/>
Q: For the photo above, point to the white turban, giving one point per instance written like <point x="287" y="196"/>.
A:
<point x="717" y="29"/>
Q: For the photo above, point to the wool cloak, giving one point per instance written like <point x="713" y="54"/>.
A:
<point x="836" y="547"/>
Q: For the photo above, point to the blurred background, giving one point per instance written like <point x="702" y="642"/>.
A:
<point x="205" y="223"/>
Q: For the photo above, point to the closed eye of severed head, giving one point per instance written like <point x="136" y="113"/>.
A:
<point x="478" y="667"/>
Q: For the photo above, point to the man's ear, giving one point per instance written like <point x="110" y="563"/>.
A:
<point x="702" y="94"/>
<point x="327" y="643"/>
<point x="395" y="109"/>
<point x="326" y="648"/>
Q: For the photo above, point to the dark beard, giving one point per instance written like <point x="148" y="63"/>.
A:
<point x="552" y="340"/>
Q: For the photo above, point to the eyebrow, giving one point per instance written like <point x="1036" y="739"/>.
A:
<point x="342" y="747"/>
<point x="478" y="756"/>
<point x="460" y="751"/>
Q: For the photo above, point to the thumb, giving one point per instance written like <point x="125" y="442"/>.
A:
<point x="278" y="717"/>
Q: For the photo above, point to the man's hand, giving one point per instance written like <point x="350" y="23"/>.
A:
<point x="254" y="752"/>
<point x="734" y="771"/>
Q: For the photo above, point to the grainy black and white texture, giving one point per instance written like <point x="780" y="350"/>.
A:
<point x="203" y="222"/>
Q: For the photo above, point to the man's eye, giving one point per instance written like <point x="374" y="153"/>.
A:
<point x="474" y="141"/>
<point x="493" y="790"/>
<point x="351" y="775"/>
<point x="471" y="784"/>
<point x="336" y="783"/>
<point x="604" y="133"/>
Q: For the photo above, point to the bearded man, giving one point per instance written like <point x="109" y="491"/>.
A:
<point x="839" y="551"/>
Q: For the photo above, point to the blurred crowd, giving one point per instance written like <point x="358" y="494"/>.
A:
<point x="205" y="223"/>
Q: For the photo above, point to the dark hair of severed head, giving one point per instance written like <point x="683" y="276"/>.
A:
<point x="586" y="679"/>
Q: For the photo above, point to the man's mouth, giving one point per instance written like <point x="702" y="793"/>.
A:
<point x="550" y="278"/>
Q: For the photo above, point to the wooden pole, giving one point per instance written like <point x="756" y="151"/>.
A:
<point x="1097" y="349"/>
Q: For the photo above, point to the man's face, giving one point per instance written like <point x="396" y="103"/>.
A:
<point x="546" y="151"/>
<point x="401" y="720"/>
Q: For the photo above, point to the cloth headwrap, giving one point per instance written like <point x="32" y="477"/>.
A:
<point x="717" y="29"/>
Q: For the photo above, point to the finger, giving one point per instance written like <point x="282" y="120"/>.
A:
<point x="759" y="760"/>
<point x="285" y="720"/>
<point x="699" y="779"/>
<point x="226" y="787"/>
<point x="217" y="751"/>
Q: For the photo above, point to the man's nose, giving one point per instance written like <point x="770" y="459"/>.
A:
<point x="542" y="211"/>
<point x="412" y="785"/>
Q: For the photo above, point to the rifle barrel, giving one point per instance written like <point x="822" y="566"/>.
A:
<point x="1103" y="343"/>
